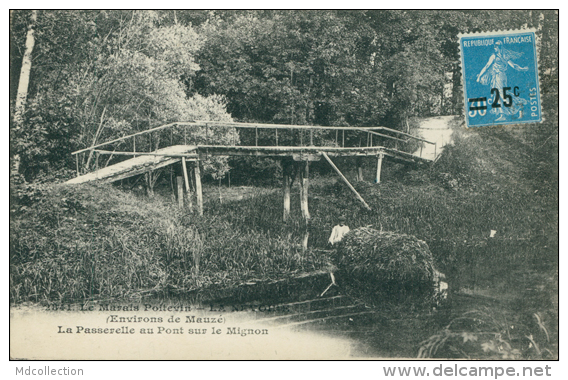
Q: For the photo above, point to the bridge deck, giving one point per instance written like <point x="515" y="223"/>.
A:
<point x="138" y="165"/>
<point x="146" y="161"/>
<point x="297" y="151"/>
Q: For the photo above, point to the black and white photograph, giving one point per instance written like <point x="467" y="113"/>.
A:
<point x="284" y="185"/>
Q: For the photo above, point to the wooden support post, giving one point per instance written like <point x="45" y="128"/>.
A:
<point x="359" y="197"/>
<point x="186" y="179"/>
<point x="179" y="181"/>
<point x="198" y="190"/>
<point x="379" y="165"/>
<point x="190" y="201"/>
<point x="359" y="169"/>
<point x="196" y="260"/>
<point x="286" y="169"/>
<point x="276" y="136"/>
<point x="305" y="239"/>
<point x="185" y="176"/>
<point x="206" y="133"/>
<point x="77" y="163"/>
<point x="304" y="183"/>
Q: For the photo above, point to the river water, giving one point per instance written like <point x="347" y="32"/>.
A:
<point x="280" y="320"/>
<point x="288" y="319"/>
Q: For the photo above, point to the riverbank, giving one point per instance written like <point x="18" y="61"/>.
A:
<point x="488" y="209"/>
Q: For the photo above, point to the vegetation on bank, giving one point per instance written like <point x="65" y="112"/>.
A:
<point x="98" y="242"/>
<point x="70" y="244"/>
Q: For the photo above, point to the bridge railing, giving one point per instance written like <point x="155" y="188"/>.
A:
<point x="146" y="142"/>
<point x="218" y="133"/>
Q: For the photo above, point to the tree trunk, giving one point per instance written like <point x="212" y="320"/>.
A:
<point x="25" y="73"/>
<point x="22" y="95"/>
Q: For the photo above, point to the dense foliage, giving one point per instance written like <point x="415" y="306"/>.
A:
<point x="98" y="75"/>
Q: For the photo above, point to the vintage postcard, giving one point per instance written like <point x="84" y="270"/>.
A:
<point x="284" y="185"/>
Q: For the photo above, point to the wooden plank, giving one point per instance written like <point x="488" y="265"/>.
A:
<point x="304" y="184"/>
<point x="232" y="149"/>
<point x="359" y="197"/>
<point x="281" y="151"/>
<point x="138" y="171"/>
<point x="398" y="132"/>
<point x="198" y="189"/>
<point x="379" y="165"/>
<point x="303" y="127"/>
<point x="122" y="173"/>
<point x="187" y="188"/>
<point x="179" y="182"/>
<point x="185" y="177"/>
<point x="188" y="156"/>
<point x="306" y="157"/>
<point x="286" y="169"/>
<point x="305" y="238"/>
<point x="129" y="136"/>
<point x="96" y="137"/>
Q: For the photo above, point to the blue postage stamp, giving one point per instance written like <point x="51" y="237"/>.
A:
<point x="500" y="78"/>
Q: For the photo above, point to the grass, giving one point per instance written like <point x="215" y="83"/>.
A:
<point x="97" y="242"/>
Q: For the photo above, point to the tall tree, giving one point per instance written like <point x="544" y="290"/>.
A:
<point x="99" y="75"/>
<point x="23" y="83"/>
<point x="308" y="67"/>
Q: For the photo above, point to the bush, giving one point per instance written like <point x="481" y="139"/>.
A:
<point x="385" y="264"/>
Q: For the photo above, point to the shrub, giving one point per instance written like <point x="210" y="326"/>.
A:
<point x="385" y="264"/>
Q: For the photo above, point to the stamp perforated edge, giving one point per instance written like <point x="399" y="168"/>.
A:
<point x="538" y="71"/>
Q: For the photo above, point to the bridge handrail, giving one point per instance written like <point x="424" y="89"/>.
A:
<point x="291" y="126"/>
<point x="258" y="125"/>
<point x="401" y="133"/>
<point x="126" y="137"/>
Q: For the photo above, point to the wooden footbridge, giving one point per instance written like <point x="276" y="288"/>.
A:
<point x="190" y="143"/>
